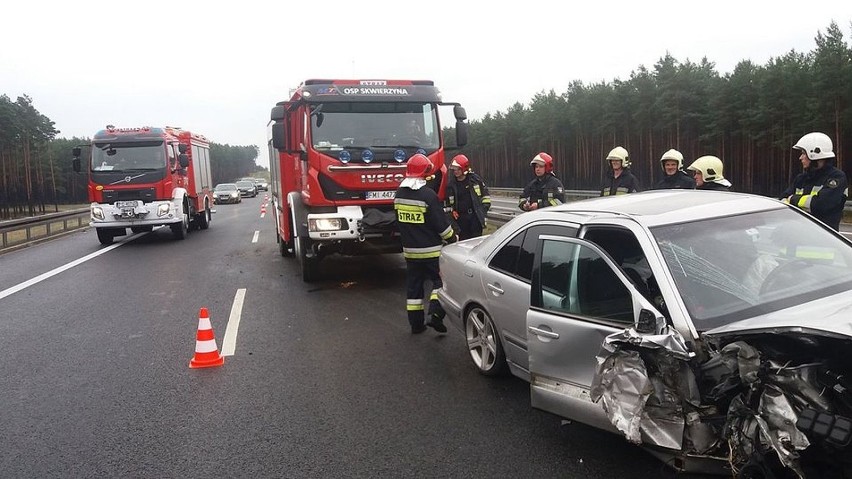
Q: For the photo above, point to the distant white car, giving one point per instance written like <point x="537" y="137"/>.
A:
<point x="713" y="328"/>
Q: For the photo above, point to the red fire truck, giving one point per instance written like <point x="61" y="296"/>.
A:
<point x="140" y="178"/>
<point x="337" y="153"/>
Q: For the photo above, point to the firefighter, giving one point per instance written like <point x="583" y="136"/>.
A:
<point x="545" y="189"/>
<point x="674" y="176"/>
<point x="821" y="188"/>
<point x="620" y="180"/>
<point x="467" y="198"/>
<point x="423" y="229"/>
<point x="707" y="172"/>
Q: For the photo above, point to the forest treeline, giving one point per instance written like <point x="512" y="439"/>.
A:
<point x="749" y="118"/>
<point x="35" y="166"/>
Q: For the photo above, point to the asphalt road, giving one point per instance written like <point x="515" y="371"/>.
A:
<point x="324" y="381"/>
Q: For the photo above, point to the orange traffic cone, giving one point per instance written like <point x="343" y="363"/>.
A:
<point x="206" y="353"/>
<point x="263" y="208"/>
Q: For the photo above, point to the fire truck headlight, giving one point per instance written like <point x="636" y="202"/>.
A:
<point x="325" y="224"/>
<point x="163" y="209"/>
<point x="97" y="212"/>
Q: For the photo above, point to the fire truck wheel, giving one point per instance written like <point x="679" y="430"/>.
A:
<point x="309" y="265"/>
<point x="286" y="248"/>
<point x="104" y="236"/>
<point x="179" y="230"/>
<point x="203" y="219"/>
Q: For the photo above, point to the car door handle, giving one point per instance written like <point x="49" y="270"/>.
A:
<point x="543" y="333"/>
<point x="495" y="288"/>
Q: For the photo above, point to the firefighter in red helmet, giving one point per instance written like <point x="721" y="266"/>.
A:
<point x="545" y="189"/>
<point x="468" y="199"/>
<point x="423" y="229"/>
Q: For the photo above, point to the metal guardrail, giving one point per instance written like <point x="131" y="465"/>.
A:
<point x="18" y="233"/>
<point x="499" y="216"/>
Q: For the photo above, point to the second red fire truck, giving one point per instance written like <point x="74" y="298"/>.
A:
<point x="337" y="153"/>
<point x="140" y="178"/>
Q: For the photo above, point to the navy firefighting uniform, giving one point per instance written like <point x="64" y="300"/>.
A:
<point x="423" y="228"/>
<point x="543" y="190"/>
<point x="820" y="192"/>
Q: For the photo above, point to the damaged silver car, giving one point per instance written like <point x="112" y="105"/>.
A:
<point x="714" y="329"/>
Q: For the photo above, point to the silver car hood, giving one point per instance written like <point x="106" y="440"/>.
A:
<point x="829" y="316"/>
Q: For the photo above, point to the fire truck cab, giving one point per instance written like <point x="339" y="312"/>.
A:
<point x="337" y="153"/>
<point x="140" y="178"/>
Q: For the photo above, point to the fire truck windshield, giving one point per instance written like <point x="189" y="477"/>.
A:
<point x="127" y="156"/>
<point x="374" y="125"/>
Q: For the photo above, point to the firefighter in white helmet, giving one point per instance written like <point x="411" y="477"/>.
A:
<point x="821" y="188"/>
<point x="619" y="180"/>
<point x="545" y="189"/>
<point x="423" y="229"/>
<point x="673" y="175"/>
<point x="707" y="171"/>
<point x="468" y="199"/>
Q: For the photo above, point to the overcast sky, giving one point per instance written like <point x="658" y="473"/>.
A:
<point x="219" y="70"/>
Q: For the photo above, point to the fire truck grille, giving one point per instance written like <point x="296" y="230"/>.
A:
<point x="146" y="195"/>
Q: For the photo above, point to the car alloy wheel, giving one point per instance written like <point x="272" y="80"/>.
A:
<point x="483" y="342"/>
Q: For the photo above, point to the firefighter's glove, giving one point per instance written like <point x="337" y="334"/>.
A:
<point x="455" y="215"/>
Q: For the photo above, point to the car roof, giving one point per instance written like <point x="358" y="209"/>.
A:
<point x="661" y="207"/>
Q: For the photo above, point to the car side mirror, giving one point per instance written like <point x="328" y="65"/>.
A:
<point x="75" y="165"/>
<point x="649" y="322"/>
<point x="76" y="151"/>
<point x="182" y="148"/>
<point x="183" y="160"/>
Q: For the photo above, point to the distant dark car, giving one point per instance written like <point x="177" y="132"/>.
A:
<point x="226" y="193"/>
<point x="247" y="188"/>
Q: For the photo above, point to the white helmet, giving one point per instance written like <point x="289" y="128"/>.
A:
<point x="710" y="168"/>
<point x="816" y="145"/>
<point x="619" y="153"/>
<point x="672" y="155"/>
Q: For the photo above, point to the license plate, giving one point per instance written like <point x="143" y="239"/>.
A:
<point x="381" y="195"/>
<point x="125" y="204"/>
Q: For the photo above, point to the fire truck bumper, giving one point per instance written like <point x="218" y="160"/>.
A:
<point x="126" y="214"/>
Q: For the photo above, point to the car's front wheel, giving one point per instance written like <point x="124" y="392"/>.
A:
<point x="483" y="342"/>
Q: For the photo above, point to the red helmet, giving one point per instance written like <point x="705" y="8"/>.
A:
<point x="461" y="162"/>
<point x="418" y="166"/>
<point x="543" y="159"/>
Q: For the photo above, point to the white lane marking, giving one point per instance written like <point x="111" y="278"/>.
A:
<point x="254" y="238"/>
<point x="54" y="272"/>
<point x="229" y="343"/>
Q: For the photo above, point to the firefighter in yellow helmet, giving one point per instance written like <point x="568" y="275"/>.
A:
<point x="674" y="177"/>
<point x="619" y="180"/>
<point x="707" y="172"/>
<point x="821" y="188"/>
<point x="423" y="229"/>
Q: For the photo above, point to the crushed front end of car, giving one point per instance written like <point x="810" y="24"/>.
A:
<point x="775" y="403"/>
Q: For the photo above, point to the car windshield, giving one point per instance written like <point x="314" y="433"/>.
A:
<point x="226" y="187"/>
<point x="135" y="156"/>
<point x="374" y="125"/>
<point x="245" y="184"/>
<point x="733" y="268"/>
